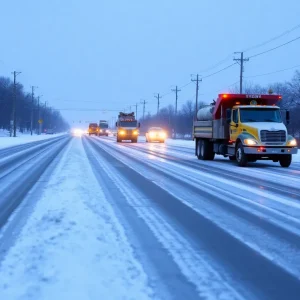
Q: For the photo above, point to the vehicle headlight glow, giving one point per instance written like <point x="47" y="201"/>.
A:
<point x="77" y="132"/>
<point x="292" y="143"/>
<point x="122" y="132"/>
<point x="152" y="134"/>
<point x="250" y="142"/>
<point x="135" y="132"/>
<point x="162" y="134"/>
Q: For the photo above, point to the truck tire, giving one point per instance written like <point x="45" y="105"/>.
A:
<point x="240" y="155"/>
<point x="205" y="150"/>
<point x="285" y="160"/>
<point x="118" y="140"/>
<point x="134" y="141"/>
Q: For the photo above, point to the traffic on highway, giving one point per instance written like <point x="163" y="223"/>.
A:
<point x="149" y="150"/>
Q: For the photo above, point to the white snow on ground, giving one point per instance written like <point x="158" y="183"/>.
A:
<point x="191" y="144"/>
<point x="7" y="141"/>
<point x="72" y="246"/>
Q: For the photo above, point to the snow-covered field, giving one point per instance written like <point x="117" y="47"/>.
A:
<point x="7" y="141"/>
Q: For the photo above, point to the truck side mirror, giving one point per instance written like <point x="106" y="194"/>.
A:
<point x="139" y="125"/>
<point x="287" y="117"/>
<point x="116" y="124"/>
<point x="228" y="115"/>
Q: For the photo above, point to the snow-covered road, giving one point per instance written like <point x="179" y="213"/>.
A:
<point x="149" y="221"/>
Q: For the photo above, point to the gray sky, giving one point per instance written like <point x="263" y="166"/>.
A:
<point x="110" y="54"/>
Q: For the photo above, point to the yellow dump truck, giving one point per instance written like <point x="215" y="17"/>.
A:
<point x="245" y="128"/>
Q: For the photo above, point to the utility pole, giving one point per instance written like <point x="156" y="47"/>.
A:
<point x="241" y="63"/>
<point x="157" y="97"/>
<point x="14" y="115"/>
<point x="144" y="106"/>
<point x="176" y="90"/>
<point x="197" y="89"/>
<point x="39" y="115"/>
<point x="136" y="105"/>
<point x="32" y="103"/>
<point x="45" y="113"/>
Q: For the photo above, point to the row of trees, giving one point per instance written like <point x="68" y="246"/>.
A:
<point x="25" y="108"/>
<point x="181" y="123"/>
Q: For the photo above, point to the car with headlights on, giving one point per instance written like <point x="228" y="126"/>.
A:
<point x="156" y="134"/>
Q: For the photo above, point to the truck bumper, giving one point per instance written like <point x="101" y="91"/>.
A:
<point x="270" y="151"/>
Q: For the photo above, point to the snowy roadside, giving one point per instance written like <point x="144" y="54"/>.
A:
<point x="191" y="144"/>
<point x="6" y="141"/>
<point x="72" y="246"/>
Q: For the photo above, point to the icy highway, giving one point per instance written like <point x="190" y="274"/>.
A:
<point x="89" y="218"/>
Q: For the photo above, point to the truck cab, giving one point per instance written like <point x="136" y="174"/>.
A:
<point x="127" y="127"/>
<point x="93" y="129"/>
<point x="103" y="128"/>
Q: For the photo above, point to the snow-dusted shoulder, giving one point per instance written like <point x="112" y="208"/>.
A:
<point x="7" y="141"/>
<point x="73" y="246"/>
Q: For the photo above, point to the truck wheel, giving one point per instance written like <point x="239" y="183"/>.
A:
<point x="118" y="140"/>
<point x="240" y="155"/>
<point x="134" y="141"/>
<point x="285" y="160"/>
<point x="198" y="149"/>
<point x="205" y="150"/>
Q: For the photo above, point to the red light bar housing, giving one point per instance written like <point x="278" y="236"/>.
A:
<point x="225" y="101"/>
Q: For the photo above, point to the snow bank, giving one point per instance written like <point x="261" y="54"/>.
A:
<point x="191" y="144"/>
<point x="296" y="157"/>
<point x="72" y="246"/>
<point x="7" y="141"/>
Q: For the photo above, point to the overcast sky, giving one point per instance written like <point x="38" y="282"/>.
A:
<point x="108" y="55"/>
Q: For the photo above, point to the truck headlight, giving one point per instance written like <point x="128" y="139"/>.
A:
<point x="135" y="132"/>
<point x="152" y="134"/>
<point x="122" y="132"/>
<point x="162" y="134"/>
<point x="250" y="142"/>
<point x="292" y="143"/>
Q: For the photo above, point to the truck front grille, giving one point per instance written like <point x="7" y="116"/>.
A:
<point x="273" y="137"/>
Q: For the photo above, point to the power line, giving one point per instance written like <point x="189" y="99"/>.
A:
<point x="217" y="64"/>
<point x="168" y="93"/>
<point x="274" y="72"/>
<point x="273" y="39"/>
<point x="219" y="71"/>
<point x="183" y="86"/>
<point x="293" y="40"/>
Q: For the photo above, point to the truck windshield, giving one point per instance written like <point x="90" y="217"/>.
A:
<point x="260" y="115"/>
<point x="103" y="125"/>
<point x="128" y="124"/>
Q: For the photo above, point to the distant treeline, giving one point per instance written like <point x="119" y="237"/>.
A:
<point x="182" y="123"/>
<point x="51" y="118"/>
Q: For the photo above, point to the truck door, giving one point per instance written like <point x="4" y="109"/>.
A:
<point x="234" y="125"/>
